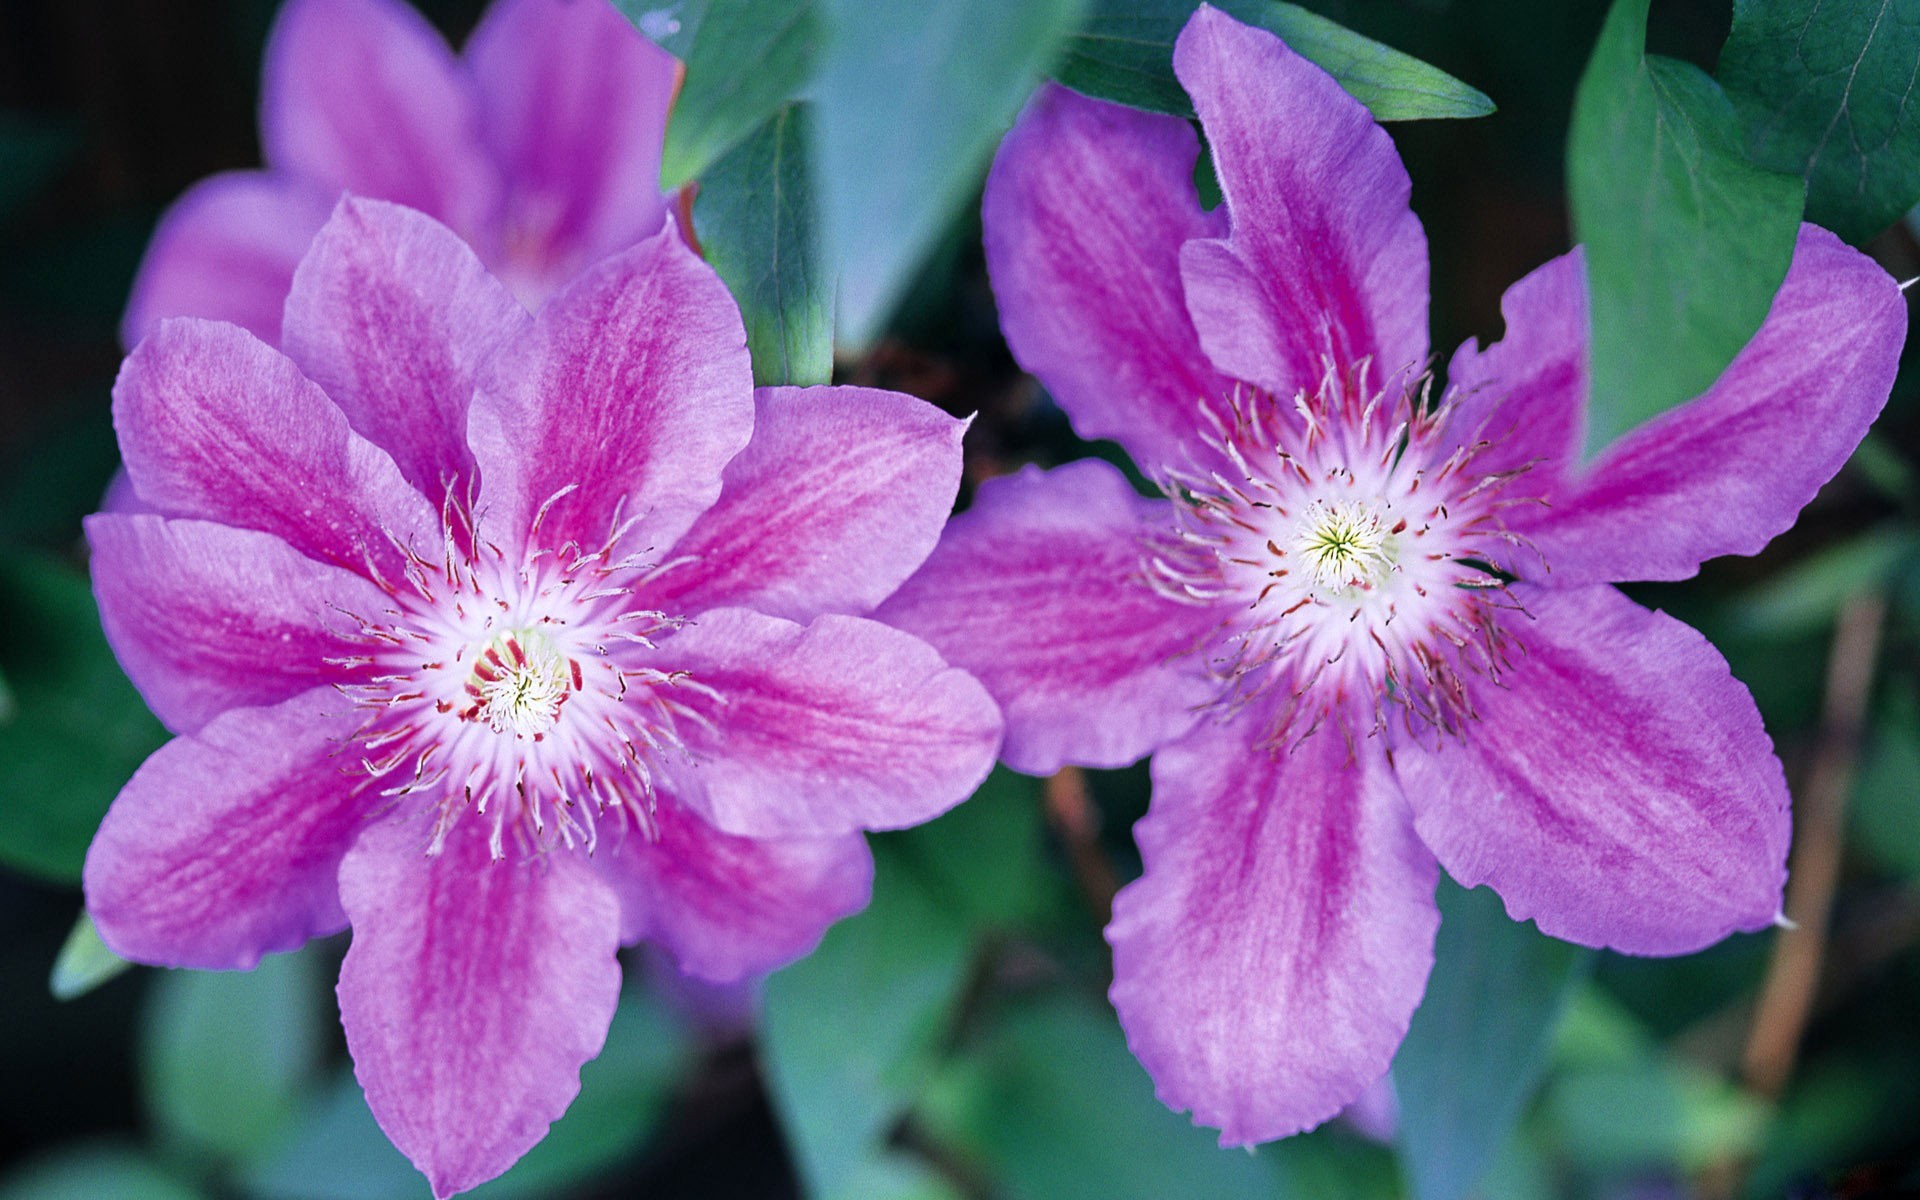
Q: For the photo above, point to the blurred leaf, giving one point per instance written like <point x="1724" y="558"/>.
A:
<point x="744" y="59"/>
<point x="670" y="24"/>
<point x="78" y="729"/>
<point x="84" y="963"/>
<point x="225" y="1055"/>
<point x="1828" y="92"/>
<point x="1885" y="814"/>
<point x="759" y="226"/>
<point x="849" y="1033"/>
<point x="1807" y="596"/>
<point x="895" y="1177"/>
<point x="1052" y="1103"/>
<point x="1651" y="1113"/>
<point x="985" y="858"/>
<point x="94" y="1171"/>
<point x="912" y="99"/>
<point x="1598" y="1031"/>
<point x="1478" y="1041"/>
<point x="1836" y="1114"/>
<point x="1686" y="241"/>
<point x="33" y="150"/>
<point x="1124" y="53"/>
<point x="337" y="1152"/>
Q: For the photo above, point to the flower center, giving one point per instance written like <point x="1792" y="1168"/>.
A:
<point x="519" y="683"/>
<point x="1345" y="544"/>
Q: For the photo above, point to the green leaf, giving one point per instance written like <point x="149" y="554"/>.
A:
<point x="334" y="1151"/>
<point x="1479" y="1040"/>
<point x="1051" y="1102"/>
<point x="1885" y="814"/>
<point x="1829" y="91"/>
<point x="849" y="1033"/>
<point x="84" y="962"/>
<point x="912" y="100"/>
<point x="94" y="1171"/>
<point x="1124" y="53"/>
<point x="1686" y="241"/>
<point x="744" y="60"/>
<point x="759" y="226"/>
<point x="78" y="728"/>
<point x="671" y="24"/>
<point x="1806" y="597"/>
<point x="1652" y="1113"/>
<point x="225" y="1055"/>
<point x="986" y="857"/>
<point x="895" y="1177"/>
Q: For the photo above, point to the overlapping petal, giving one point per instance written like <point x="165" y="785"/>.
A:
<point x="727" y="907"/>
<point x="226" y="251"/>
<point x="1039" y="591"/>
<point x="1268" y="960"/>
<point x="363" y="96"/>
<point x="627" y="399"/>
<point x="1618" y="787"/>
<point x="827" y="728"/>
<point x="205" y="617"/>
<point x="471" y="994"/>
<point x="214" y="423"/>
<point x="225" y="845"/>
<point x="573" y="104"/>
<point x="1085" y="212"/>
<point x="1730" y="471"/>
<point x="839" y="496"/>
<point x="1326" y="264"/>
<point x="393" y="314"/>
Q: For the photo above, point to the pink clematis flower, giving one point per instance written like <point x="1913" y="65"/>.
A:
<point x="540" y="146"/>
<point x="508" y="640"/>
<point x="1365" y="630"/>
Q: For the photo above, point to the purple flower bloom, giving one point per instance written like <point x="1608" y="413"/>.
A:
<point x="496" y="637"/>
<point x="1365" y="631"/>
<point x="540" y="146"/>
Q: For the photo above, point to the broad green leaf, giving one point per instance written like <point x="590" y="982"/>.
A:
<point x="912" y="100"/>
<point x="1884" y="818"/>
<point x="1124" y="53"/>
<point x="894" y="1176"/>
<point x="226" y="1055"/>
<point x="337" y="1152"/>
<point x="1652" y="1112"/>
<point x="1686" y="241"/>
<point x="1807" y="596"/>
<point x="1479" y="1040"/>
<point x="78" y="728"/>
<point x="849" y="1033"/>
<point x="759" y="226"/>
<point x="84" y="962"/>
<point x="986" y="858"/>
<point x="1053" y="1104"/>
<point x="94" y="1171"/>
<point x="671" y="24"/>
<point x="1831" y="91"/>
<point x="744" y="60"/>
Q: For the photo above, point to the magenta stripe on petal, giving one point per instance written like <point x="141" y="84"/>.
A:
<point x="205" y="617"/>
<point x="1617" y="787"/>
<point x="1086" y="210"/>
<point x="1326" y="264"/>
<point x="839" y="496"/>
<point x="826" y="728"/>
<point x="1730" y="471"/>
<point x="1040" y="591"/>
<point x="224" y="845"/>
<point x="1269" y="958"/>
<point x="472" y="993"/>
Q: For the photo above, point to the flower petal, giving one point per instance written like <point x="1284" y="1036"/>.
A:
<point x="214" y="423"/>
<point x="471" y="994"/>
<point x="392" y="314"/>
<point x="1618" y="787"/>
<point x="1269" y="958"/>
<point x="574" y="105"/>
<point x="364" y="96"/>
<point x="633" y="389"/>
<point x="726" y="907"/>
<point x="1037" y="590"/>
<point x="1728" y="472"/>
<point x="226" y="251"/>
<point x="1525" y="396"/>
<point x="826" y="728"/>
<point x="225" y="844"/>
<point x="1326" y="264"/>
<point x="839" y="496"/>
<point x="1086" y="209"/>
<point x="205" y="617"/>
